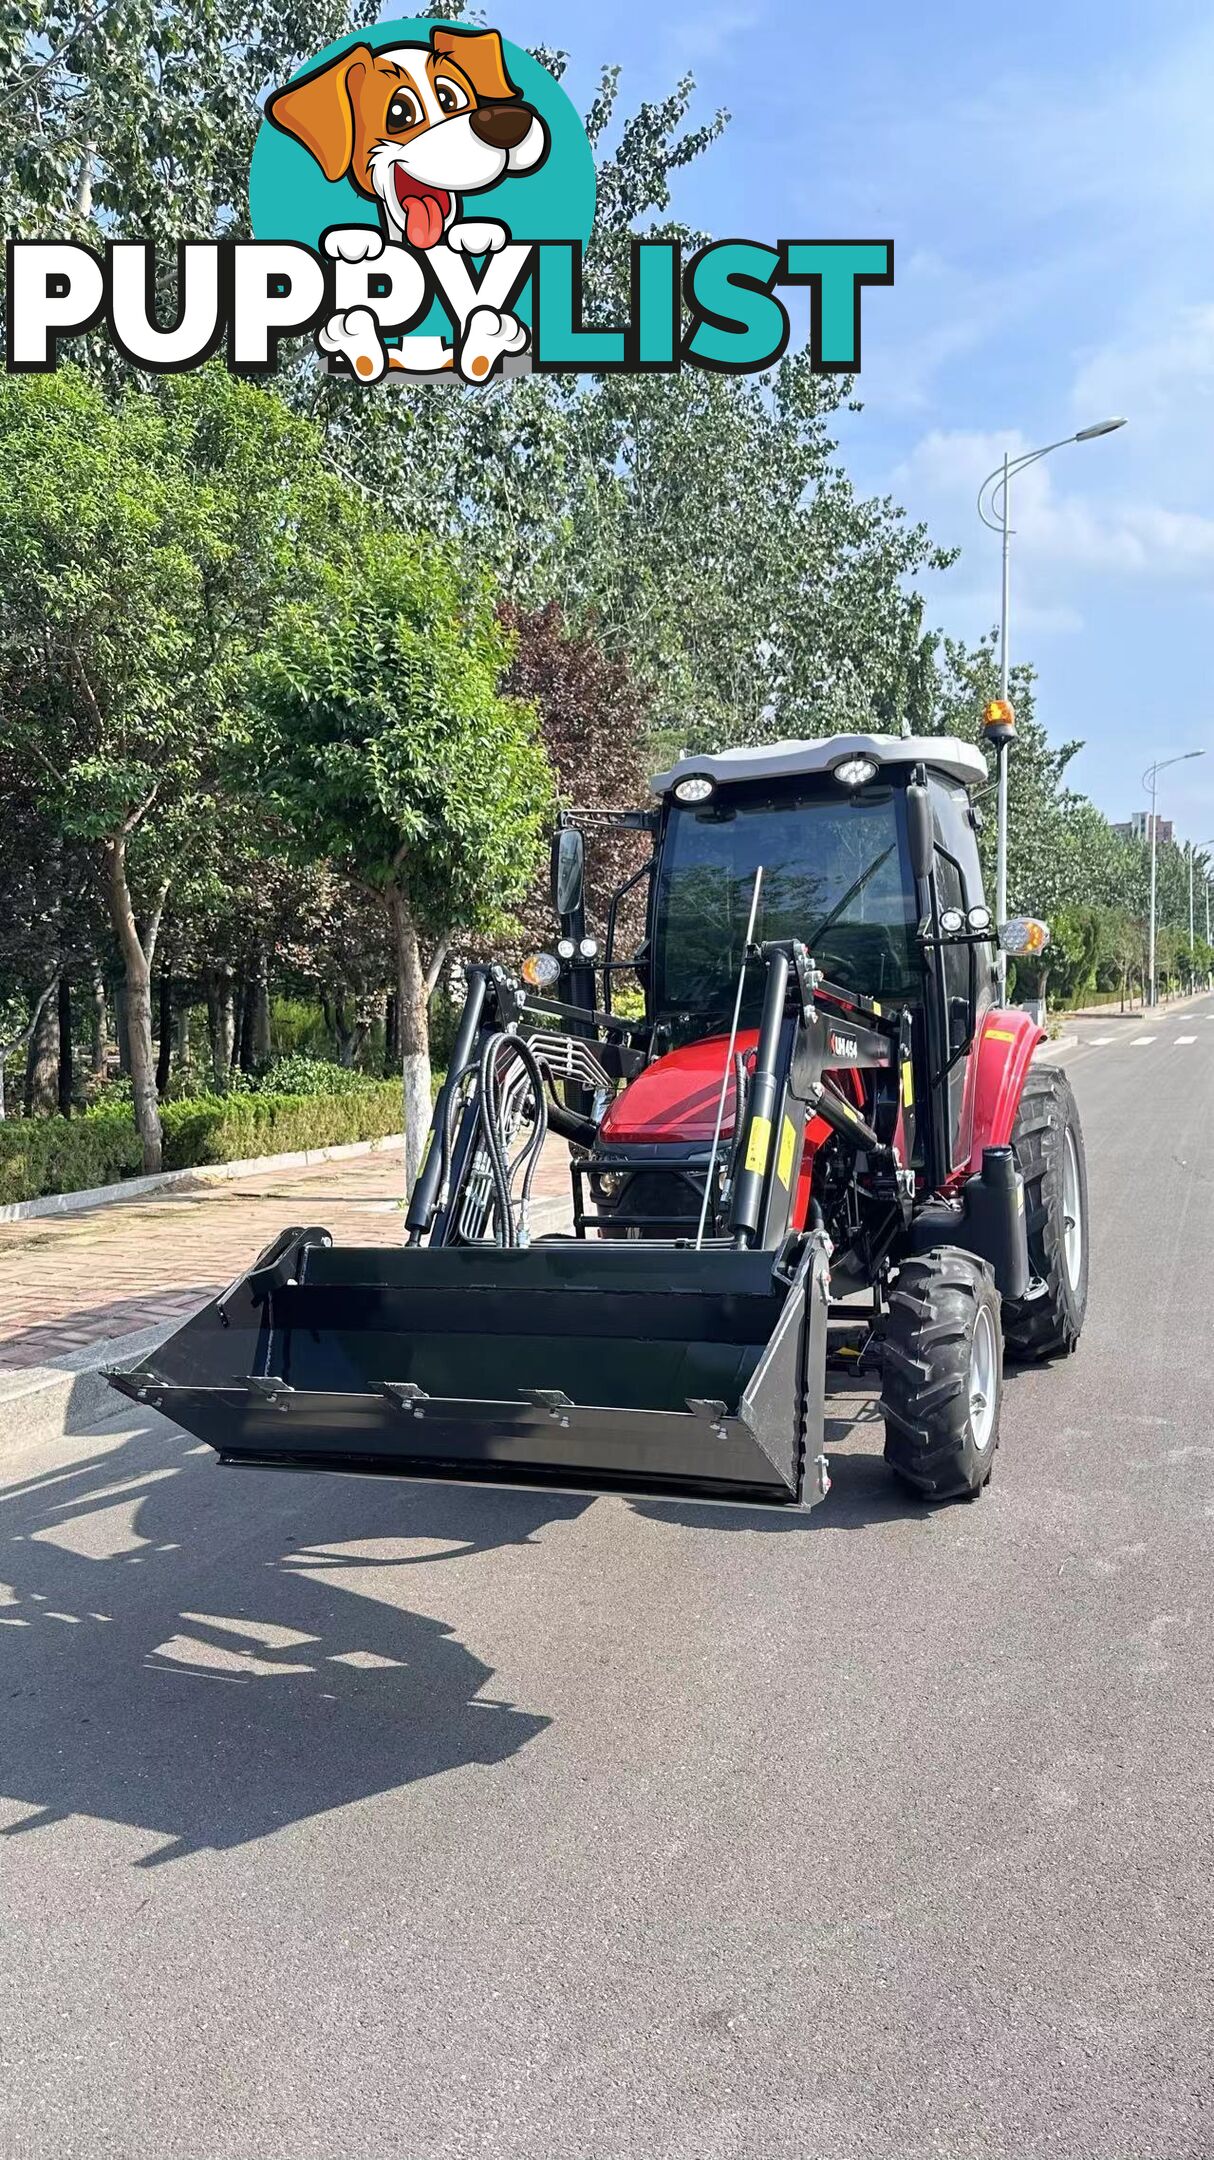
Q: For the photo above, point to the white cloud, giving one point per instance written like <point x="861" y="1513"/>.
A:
<point x="1161" y="375"/>
<point x="710" y="31"/>
<point x="1059" y="530"/>
<point x="1155" y="371"/>
<point x="1035" y="207"/>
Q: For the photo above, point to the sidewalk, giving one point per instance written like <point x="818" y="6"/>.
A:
<point x="70" y="1281"/>
<point x="1136" y="1013"/>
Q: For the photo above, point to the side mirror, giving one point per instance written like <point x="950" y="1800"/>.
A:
<point x="568" y="871"/>
<point x="919" y="829"/>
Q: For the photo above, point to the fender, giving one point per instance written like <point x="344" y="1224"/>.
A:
<point x="1001" y="1057"/>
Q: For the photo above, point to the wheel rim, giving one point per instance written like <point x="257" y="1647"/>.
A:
<point x="1072" y="1210"/>
<point x="984" y="1379"/>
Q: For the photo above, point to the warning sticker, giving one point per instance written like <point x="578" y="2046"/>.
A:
<point x="788" y="1141"/>
<point x="758" y="1147"/>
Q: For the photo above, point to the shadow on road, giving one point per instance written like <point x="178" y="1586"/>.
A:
<point x="863" y="1491"/>
<point x="183" y="1651"/>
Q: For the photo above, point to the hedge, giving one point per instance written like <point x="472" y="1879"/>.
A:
<point x="58" y="1155"/>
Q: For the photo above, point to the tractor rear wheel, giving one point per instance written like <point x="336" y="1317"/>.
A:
<point x="942" y="1373"/>
<point x="1048" y="1145"/>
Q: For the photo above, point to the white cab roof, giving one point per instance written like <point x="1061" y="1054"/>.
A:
<point x="789" y="760"/>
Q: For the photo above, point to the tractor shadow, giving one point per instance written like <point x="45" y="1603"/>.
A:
<point x="863" y="1492"/>
<point x="863" y="1489"/>
<point x="187" y="1651"/>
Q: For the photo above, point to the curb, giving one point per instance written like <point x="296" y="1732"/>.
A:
<point x="1139" y="1014"/>
<point x="46" y="1402"/>
<point x="200" y="1174"/>
<point x="72" y="1395"/>
<point x="1047" y="1052"/>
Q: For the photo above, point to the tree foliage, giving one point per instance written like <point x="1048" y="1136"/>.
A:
<point x="385" y="743"/>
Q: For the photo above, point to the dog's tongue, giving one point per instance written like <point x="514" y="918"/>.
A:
<point x="423" y="208"/>
<point x="423" y="221"/>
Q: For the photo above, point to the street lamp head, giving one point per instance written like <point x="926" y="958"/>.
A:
<point x="1162" y="764"/>
<point x="1102" y="427"/>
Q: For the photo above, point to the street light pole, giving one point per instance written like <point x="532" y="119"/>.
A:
<point x="1199" y="848"/>
<point x="1150" y="780"/>
<point x="1000" y="733"/>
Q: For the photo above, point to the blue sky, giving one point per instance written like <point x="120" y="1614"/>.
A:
<point x="1047" y="174"/>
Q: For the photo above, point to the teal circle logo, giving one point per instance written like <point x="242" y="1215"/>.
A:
<point x="428" y="140"/>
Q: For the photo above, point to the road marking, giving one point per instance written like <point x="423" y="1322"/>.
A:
<point x="1140" y="1042"/>
<point x="1101" y="1042"/>
<point x="1186" y="1038"/>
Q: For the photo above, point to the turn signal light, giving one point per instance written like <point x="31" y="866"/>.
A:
<point x="1024" y="934"/>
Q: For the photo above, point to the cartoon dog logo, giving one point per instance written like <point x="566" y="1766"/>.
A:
<point x="415" y="129"/>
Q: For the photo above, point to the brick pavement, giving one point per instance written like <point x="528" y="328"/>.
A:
<point x="67" y="1281"/>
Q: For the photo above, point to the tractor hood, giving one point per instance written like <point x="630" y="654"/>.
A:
<point x="675" y="1099"/>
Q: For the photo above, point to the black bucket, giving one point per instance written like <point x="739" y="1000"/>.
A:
<point x="629" y="1367"/>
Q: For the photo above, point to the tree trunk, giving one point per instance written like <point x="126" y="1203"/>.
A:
<point x="66" y="1072"/>
<point x="120" y="1029"/>
<point x="221" y="1020"/>
<point x="97" y="1025"/>
<point x="164" y="1053"/>
<point x="259" y="1019"/>
<point x="245" y="1029"/>
<point x="346" y="1024"/>
<point x="181" y="1038"/>
<point x="42" y="1063"/>
<point x="412" y="1007"/>
<point x="137" y="974"/>
<point x="391" y="1037"/>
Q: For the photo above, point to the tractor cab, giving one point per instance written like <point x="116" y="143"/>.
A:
<point x="834" y="845"/>
<point x="863" y="849"/>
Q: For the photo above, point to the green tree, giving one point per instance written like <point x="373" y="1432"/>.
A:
<point x="137" y="118"/>
<point x="384" y="744"/>
<point x="146" y="548"/>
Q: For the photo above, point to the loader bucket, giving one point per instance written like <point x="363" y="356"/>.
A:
<point x="627" y="1367"/>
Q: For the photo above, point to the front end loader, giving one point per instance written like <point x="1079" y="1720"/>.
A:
<point x="822" y="1147"/>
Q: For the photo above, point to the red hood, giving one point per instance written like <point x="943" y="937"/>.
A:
<point x="676" y="1098"/>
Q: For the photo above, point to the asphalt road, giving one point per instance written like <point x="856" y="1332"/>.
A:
<point x="347" y="1821"/>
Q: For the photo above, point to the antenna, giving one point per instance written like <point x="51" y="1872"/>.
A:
<point x="727" y="1068"/>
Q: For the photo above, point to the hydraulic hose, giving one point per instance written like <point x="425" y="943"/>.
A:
<point x="741" y="1094"/>
<point x="502" y="1172"/>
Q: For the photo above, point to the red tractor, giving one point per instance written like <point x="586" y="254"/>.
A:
<point x="823" y="1143"/>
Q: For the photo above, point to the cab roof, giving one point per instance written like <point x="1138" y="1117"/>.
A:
<point x="790" y="760"/>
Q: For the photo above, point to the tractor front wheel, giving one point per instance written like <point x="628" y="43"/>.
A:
<point x="1048" y="1145"/>
<point x="942" y="1373"/>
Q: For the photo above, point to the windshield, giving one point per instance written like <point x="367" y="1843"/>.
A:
<point x="820" y="852"/>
